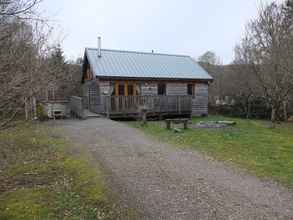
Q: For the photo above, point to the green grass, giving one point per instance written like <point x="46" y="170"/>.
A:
<point x="250" y="144"/>
<point x="40" y="178"/>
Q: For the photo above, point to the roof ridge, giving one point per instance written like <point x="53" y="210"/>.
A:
<point x="139" y="52"/>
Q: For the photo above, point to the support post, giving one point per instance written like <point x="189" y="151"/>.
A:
<point x="144" y="111"/>
<point x="116" y="88"/>
<point x="185" y="124"/>
<point x="108" y="104"/>
<point x="126" y="88"/>
<point x="168" y="124"/>
<point x="179" y="104"/>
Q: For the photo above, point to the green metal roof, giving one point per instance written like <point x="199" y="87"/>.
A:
<point x="132" y="64"/>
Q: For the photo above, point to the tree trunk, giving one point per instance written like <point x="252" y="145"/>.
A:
<point x="248" y="110"/>
<point x="285" y="111"/>
<point x="34" y="107"/>
<point x="26" y="108"/>
<point x="273" y="114"/>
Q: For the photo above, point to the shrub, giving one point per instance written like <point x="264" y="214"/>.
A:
<point x="41" y="113"/>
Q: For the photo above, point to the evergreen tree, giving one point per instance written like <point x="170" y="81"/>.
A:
<point x="209" y="57"/>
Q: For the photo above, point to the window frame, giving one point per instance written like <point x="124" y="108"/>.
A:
<point x="162" y="90"/>
<point x="131" y="85"/>
<point x="192" y="87"/>
<point x="120" y="86"/>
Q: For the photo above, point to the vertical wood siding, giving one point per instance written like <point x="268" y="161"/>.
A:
<point x="176" y="88"/>
<point x="200" y="100"/>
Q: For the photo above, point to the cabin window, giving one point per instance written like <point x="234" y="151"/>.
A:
<point x="130" y="90"/>
<point x="161" y="89"/>
<point x="190" y="89"/>
<point x="125" y="89"/>
<point x="121" y="89"/>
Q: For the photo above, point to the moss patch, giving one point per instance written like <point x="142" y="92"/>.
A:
<point x="41" y="179"/>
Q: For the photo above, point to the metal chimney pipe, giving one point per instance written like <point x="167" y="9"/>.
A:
<point x="99" y="47"/>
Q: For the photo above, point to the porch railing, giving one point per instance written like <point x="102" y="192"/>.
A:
<point x="155" y="104"/>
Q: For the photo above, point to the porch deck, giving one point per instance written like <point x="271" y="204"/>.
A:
<point x="126" y="106"/>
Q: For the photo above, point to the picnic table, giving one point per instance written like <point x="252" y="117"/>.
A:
<point x="184" y="121"/>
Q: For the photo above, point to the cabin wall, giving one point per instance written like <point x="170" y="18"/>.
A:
<point x="105" y="88"/>
<point x="176" y="89"/>
<point x="171" y="88"/>
<point x="149" y="89"/>
<point x="200" y="100"/>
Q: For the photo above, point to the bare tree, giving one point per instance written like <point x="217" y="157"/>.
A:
<point x="289" y="9"/>
<point x="17" y="7"/>
<point x="246" y="85"/>
<point x="267" y="50"/>
<point x="21" y="45"/>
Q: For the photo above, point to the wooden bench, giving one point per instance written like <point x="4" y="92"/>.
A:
<point x="184" y="121"/>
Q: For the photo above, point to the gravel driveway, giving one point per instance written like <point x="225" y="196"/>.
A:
<point x="164" y="182"/>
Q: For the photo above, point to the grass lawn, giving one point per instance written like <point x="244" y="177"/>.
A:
<point x="250" y="144"/>
<point x="40" y="178"/>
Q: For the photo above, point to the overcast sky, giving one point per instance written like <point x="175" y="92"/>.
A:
<point x="167" y="26"/>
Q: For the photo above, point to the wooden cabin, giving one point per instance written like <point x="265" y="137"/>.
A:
<point x="120" y="83"/>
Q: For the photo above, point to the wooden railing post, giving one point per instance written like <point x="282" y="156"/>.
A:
<point x="179" y="105"/>
<point x="116" y="103"/>
<point x="123" y="100"/>
<point x="108" y="106"/>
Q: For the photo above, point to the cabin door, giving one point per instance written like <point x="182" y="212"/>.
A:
<point x="123" y="101"/>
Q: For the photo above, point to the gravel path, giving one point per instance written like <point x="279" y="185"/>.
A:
<point x="163" y="182"/>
